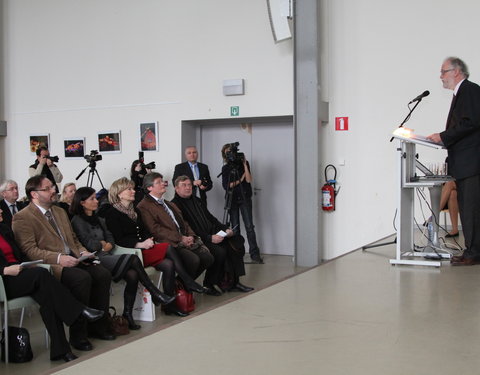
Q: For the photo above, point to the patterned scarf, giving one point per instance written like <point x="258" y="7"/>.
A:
<point x="129" y="211"/>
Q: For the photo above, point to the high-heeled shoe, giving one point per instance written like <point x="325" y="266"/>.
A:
<point x="159" y="298"/>
<point x="173" y="310"/>
<point x="195" y="287"/>
<point x="131" y="323"/>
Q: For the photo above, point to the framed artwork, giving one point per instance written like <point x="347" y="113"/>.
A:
<point x="39" y="140"/>
<point x="74" y="147"/>
<point x="109" y="141"/>
<point x="148" y="136"/>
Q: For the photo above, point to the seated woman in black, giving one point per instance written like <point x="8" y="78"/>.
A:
<point x="127" y="227"/>
<point x="94" y="235"/>
<point x="57" y="305"/>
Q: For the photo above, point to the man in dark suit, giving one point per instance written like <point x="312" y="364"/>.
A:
<point x="43" y="231"/>
<point x="198" y="173"/>
<point x="462" y="140"/>
<point x="9" y="204"/>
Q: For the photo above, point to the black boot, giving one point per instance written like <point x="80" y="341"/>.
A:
<point x="128" y="301"/>
<point x="158" y="298"/>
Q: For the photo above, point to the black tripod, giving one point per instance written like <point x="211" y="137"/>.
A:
<point x="93" y="171"/>
<point x="233" y="176"/>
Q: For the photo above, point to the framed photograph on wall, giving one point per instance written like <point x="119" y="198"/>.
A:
<point x="74" y="147"/>
<point x="149" y="136"/>
<point x="39" y="140"/>
<point x="109" y="141"/>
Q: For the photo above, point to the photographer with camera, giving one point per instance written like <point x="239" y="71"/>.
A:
<point x="197" y="172"/>
<point x="236" y="180"/>
<point x="138" y="171"/>
<point x="44" y="165"/>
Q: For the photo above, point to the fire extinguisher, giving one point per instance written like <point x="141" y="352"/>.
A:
<point x="328" y="191"/>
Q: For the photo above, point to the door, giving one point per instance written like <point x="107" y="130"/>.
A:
<point x="269" y="149"/>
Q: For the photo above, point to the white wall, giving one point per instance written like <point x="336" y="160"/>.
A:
<point x="75" y="68"/>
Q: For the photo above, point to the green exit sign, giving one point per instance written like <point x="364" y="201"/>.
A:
<point x="235" y="111"/>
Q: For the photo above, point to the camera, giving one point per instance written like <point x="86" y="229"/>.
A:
<point x="93" y="157"/>
<point x="232" y="155"/>
<point x="54" y="159"/>
<point x="150" y="165"/>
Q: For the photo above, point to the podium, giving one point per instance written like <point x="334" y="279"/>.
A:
<point x="408" y="182"/>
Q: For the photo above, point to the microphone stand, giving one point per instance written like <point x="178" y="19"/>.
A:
<point x="408" y="116"/>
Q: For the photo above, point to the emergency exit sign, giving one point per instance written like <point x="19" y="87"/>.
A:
<point x="235" y="110"/>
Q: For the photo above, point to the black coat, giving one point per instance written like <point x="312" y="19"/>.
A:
<point x="184" y="169"/>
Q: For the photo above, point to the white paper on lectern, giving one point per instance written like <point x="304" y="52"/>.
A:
<point x="408" y="135"/>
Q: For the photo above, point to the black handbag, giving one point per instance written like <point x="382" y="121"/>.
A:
<point x="19" y="348"/>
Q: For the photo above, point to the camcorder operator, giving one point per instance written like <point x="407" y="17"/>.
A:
<point x="138" y="171"/>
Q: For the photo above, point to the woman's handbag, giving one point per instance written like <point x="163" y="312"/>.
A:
<point x="19" y="348"/>
<point x="118" y="324"/>
<point x="184" y="299"/>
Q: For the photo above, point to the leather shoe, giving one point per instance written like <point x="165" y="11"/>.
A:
<point x="456" y="258"/>
<point x="83" y="345"/>
<point x="173" y="310"/>
<point x="92" y="315"/>
<point x="256" y="259"/>
<point x="161" y="298"/>
<point x="241" y="288"/>
<point x="103" y="336"/>
<point x="464" y="262"/>
<point x="450" y="235"/>
<point x="212" y="291"/>
<point x="67" y="357"/>
<point x="196" y="288"/>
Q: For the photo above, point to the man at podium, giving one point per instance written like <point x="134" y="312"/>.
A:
<point x="462" y="140"/>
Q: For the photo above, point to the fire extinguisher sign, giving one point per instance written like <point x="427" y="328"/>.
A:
<point x="341" y="123"/>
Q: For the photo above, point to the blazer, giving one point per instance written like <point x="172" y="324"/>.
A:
<point x="160" y="224"/>
<point x="38" y="240"/>
<point x="7" y="234"/>
<point x="7" y="214"/>
<point x="184" y="169"/>
<point x="462" y="134"/>
<point x="126" y="231"/>
<point x="90" y="235"/>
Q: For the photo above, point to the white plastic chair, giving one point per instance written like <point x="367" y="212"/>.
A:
<point x="14" y="304"/>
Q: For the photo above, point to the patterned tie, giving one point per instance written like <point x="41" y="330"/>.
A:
<point x="169" y="212"/>
<point x="196" y="176"/>
<point x="52" y="222"/>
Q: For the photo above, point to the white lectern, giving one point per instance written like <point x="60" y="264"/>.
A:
<point x="408" y="182"/>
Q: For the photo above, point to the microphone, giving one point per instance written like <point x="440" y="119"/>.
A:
<point x="420" y="97"/>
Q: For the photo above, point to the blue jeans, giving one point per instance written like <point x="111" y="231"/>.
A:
<point x="245" y="208"/>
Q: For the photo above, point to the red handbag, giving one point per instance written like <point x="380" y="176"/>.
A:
<point x="184" y="299"/>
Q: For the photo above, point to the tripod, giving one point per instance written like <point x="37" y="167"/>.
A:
<point x="233" y="176"/>
<point x="93" y="171"/>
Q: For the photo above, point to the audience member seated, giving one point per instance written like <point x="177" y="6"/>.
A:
<point x="448" y="200"/>
<point x="45" y="166"/>
<point x="66" y="197"/>
<point x="164" y="220"/>
<point x="227" y="248"/>
<point x="43" y="231"/>
<point x="57" y="305"/>
<point x="9" y="205"/>
<point x="94" y="235"/>
<point x="126" y="225"/>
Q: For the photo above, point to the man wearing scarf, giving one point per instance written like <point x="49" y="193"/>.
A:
<point x="227" y="247"/>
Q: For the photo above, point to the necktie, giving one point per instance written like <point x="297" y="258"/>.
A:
<point x="169" y="212"/>
<point x="52" y="222"/>
<point x="13" y="208"/>
<point x="452" y="106"/>
<point x="196" y="176"/>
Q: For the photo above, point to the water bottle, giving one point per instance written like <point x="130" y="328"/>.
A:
<point x="430" y="231"/>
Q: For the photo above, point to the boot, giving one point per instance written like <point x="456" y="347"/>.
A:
<point x="128" y="302"/>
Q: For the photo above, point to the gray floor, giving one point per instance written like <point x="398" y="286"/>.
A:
<point x="354" y="315"/>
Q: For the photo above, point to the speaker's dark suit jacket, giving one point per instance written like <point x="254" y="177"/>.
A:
<point x="462" y="134"/>
<point x="7" y="214"/>
<point x="184" y="169"/>
<point x="57" y="305"/>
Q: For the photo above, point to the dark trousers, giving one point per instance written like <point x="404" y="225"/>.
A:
<point x="468" y="195"/>
<point x="245" y="208"/>
<point x="195" y="261"/>
<point x="91" y="286"/>
<point x="228" y="260"/>
<point x="57" y="305"/>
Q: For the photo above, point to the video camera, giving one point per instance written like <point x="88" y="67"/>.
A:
<point x="150" y="165"/>
<point x="93" y="157"/>
<point x="232" y="155"/>
<point x="54" y="159"/>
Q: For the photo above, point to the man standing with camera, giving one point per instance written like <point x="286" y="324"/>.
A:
<point x="236" y="180"/>
<point x="45" y="165"/>
<point x="197" y="172"/>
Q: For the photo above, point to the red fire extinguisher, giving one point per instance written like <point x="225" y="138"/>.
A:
<point x="328" y="191"/>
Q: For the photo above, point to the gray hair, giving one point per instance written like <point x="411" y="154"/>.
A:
<point x="149" y="179"/>
<point x="5" y="184"/>
<point x="459" y="64"/>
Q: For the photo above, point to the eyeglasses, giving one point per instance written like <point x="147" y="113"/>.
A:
<point x="46" y="189"/>
<point x="442" y="72"/>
